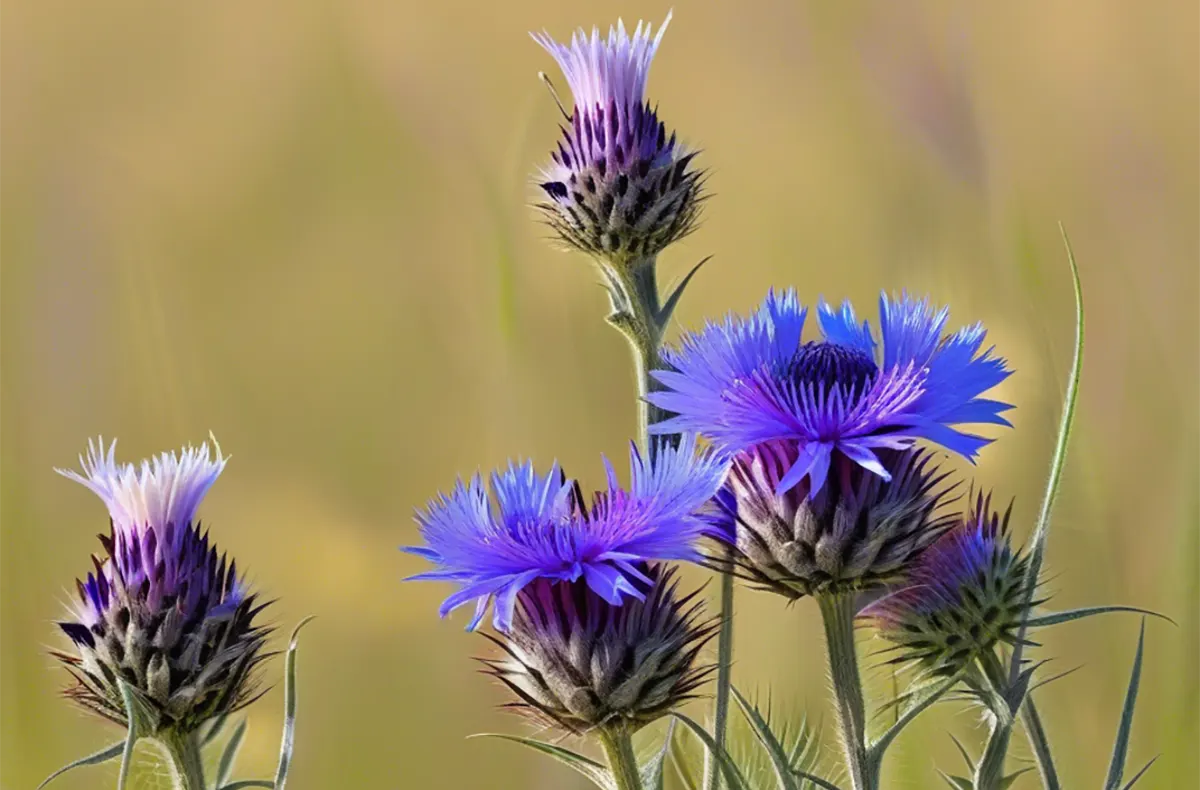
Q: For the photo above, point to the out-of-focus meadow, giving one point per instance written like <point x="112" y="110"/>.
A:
<point x="304" y="226"/>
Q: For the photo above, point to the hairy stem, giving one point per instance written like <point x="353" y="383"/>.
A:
<point x="713" y="775"/>
<point x="183" y="754"/>
<point x="989" y="774"/>
<point x="837" y="611"/>
<point x="618" y="748"/>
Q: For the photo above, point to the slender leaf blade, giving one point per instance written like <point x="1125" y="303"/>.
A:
<point x="593" y="770"/>
<point x="1139" y="774"/>
<point x="243" y="784"/>
<point x="652" y="770"/>
<point x="229" y="754"/>
<point x="733" y="776"/>
<point x="762" y="730"/>
<point x="1055" y="618"/>
<point x="288" y="740"/>
<point x="1116" y="768"/>
<point x="104" y="755"/>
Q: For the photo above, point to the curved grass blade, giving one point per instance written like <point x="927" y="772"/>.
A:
<point x="1034" y="730"/>
<point x="911" y="712"/>
<point x="733" y="776"/>
<point x="780" y="760"/>
<point x="1116" y="768"/>
<point x="243" y="784"/>
<point x="229" y="755"/>
<point x="214" y="729"/>
<point x="652" y="771"/>
<point x="288" y="741"/>
<point x="102" y="756"/>
<point x="593" y="770"/>
<point x="1055" y="618"/>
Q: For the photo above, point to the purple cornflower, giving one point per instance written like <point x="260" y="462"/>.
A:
<point x="967" y="592"/>
<point x="747" y="382"/>
<point x="827" y="491"/>
<point x="542" y="528"/>
<point x="162" y="611"/>
<point x="619" y="187"/>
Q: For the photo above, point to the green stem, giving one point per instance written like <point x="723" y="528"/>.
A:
<point x="713" y="775"/>
<point x="1040" y="743"/>
<point x="837" y="611"/>
<point x="618" y="748"/>
<point x="183" y="754"/>
<point x="989" y="774"/>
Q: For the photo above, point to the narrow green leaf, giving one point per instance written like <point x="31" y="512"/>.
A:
<point x="683" y="769"/>
<point x="1116" y="768"/>
<point x="1059" y="461"/>
<point x="288" y="740"/>
<point x="919" y="705"/>
<point x="668" y="308"/>
<point x="762" y="730"/>
<point x="243" y="784"/>
<point x="652" y="771"/>
<point x="1139" y="774"/>
<point x="1007" y="781"/>
<point x="957" y="782"/>
<point x="142" y="720"/>
<point x="229" y="755"/>
<point x="215" y="728"/>
<point x="102" y="756"/>
<point x="1054" y="618"/>
<point x="1033" y="729"/>
<point x="593" y="770"/>
<point x="733" y="777"/>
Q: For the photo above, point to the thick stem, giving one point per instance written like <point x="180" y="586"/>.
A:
<point x="618" y="748"/>
<point x="183" y="754"/>
<point x="713" y="775"/>
<point x="837" y="611"/>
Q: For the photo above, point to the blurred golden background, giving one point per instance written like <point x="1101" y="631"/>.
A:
<point x="304" y="226"/>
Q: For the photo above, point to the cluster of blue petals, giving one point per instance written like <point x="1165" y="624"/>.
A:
<point x="538" y="526"/>
<point x="746" y="381"/>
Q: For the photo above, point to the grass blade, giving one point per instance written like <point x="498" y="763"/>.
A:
<point x="229" y="755"/>
<point x="1054" y="618"/>
<point x="652" y="771"/>
<point x="780" y="760"/>
<point x="733" y="777"/>
<point x="1139" y="774"/>
<point x="593" y="770"/>
<point x="243" y="784"/>
<point x="288" y="741"/>
<point x="1116" y="768"/>
<point x="102" y="756"/>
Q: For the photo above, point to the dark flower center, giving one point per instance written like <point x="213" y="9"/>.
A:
<point x="825" y="365"/>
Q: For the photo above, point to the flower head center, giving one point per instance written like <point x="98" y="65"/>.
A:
<point x="826" y="365"/>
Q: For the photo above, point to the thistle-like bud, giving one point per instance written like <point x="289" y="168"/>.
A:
<point x="578" y="662"/>
<point x="162" y="612"/>
<point x="858" y="531"/>
<point x="619" y="186"/>
<point x="968" y="591"/>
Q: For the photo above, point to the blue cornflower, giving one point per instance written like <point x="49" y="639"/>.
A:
<point x="619" y="187"/>
<point x="748" y="382"/>
<point x="968" y="591"/>
<point x="162" y="610"/>
<point x="540" y="527"/>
